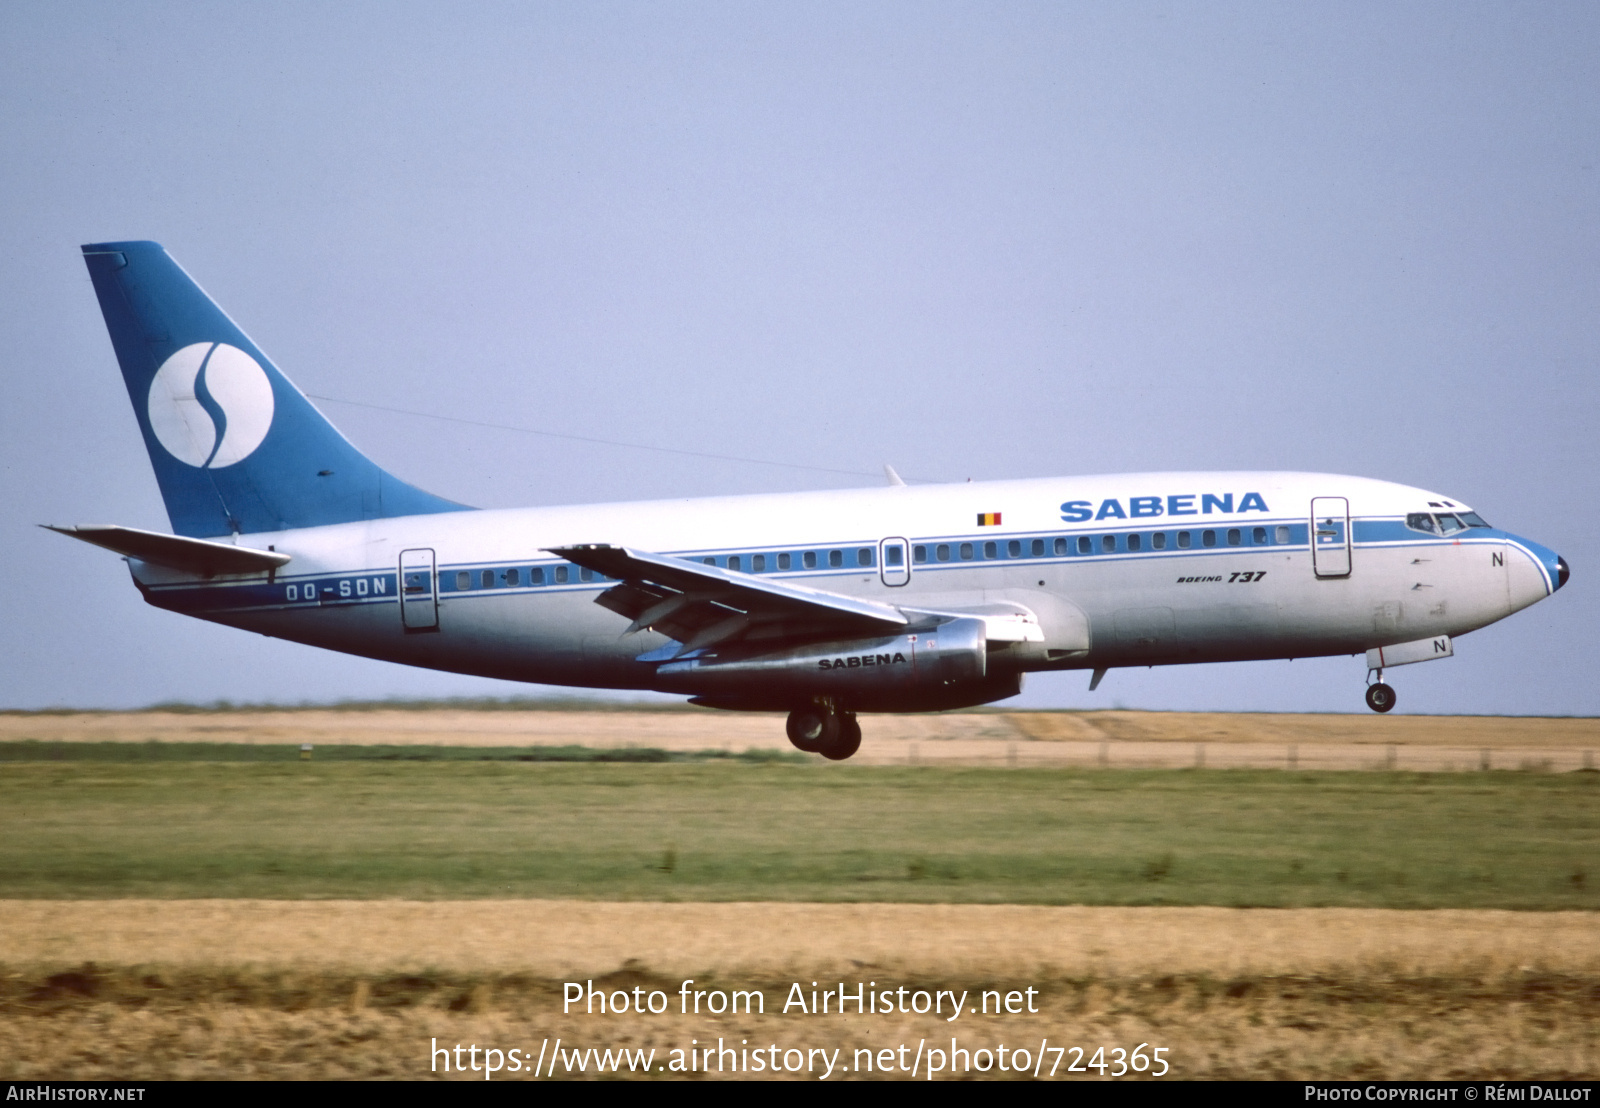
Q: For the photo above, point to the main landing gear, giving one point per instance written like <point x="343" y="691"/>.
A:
<point x="1380" y="697"/>
<point x="821" y="728"/>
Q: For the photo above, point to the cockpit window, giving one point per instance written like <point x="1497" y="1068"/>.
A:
<point x="1445" y="523"/>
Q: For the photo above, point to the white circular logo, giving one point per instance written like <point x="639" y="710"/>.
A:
<point x="207" y="377"/>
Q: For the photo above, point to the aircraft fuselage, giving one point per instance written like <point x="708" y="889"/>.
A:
<point x="1211" y="583"/>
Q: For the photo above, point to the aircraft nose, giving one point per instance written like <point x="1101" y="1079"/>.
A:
<point x="1551" y="572"/>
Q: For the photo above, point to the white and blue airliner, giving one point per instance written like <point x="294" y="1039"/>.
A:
<point x="822" y="605"/>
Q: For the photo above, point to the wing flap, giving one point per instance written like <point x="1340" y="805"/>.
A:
<point x="702" y="606"/>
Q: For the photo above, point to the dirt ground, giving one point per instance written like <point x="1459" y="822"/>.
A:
<point x="1111" y="738"/>
<point x="214" y="989"/>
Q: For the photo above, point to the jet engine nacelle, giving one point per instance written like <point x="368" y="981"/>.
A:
<point x="934" y="666"/>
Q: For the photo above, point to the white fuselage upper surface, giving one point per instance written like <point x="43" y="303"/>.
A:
<point x="1130" y="569"/>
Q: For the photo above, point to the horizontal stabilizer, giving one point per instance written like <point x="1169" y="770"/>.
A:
<point x="176" y="552"/>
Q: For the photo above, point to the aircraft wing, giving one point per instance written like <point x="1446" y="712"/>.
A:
<point x="701" y="605"/>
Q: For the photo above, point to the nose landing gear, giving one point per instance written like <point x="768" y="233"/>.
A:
<point x="822" y="728"/>
<point x="1380" y="697"/>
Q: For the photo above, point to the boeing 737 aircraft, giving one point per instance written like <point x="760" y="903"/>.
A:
<point x="822" y="605"/>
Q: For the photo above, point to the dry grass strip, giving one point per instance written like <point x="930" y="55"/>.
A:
<point x="215" y="989"/>
<point x="561" y="939"/>
<point x="1014" y="739"/>
<point x="697" y="729"/>
<point x="159" y="1023"/>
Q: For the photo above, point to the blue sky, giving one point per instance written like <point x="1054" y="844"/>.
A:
<point x="972" y="240"/>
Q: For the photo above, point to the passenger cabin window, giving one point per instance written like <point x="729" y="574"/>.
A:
<point x="463" y="581"/>
<point x="785" y="560"/>
<point x="1283" y="536"/>
<point x="1208" y="538"/>
<point x="561" y="575"/>
<point x="942" y="552"/>
<point x="1036" y="548"/>
<point x="1013" y="549"/>
<point x="487" y="578"/>
<point x="919" y="554"/>
<point x="1185" y="540"/>
<point x="1158" y="541"/>
<point x="1234" y="538"/>
<point x="758" y="563"/>
<point x="864" y="555"/>
<point x="1085" y="544"/>
<point x="1061" y="546"/>
<point x="585" y="574"/>
<point x="733" y="562"/>
<point x="966" y="552"/>
<point x="1108" y="544"/>
<point x="513" y="577"/>
<point x="894" y="555"/>
<point x="709" y="561"/>
<point x="1259" y="536"/>
<point x="809" y="559"/>
<point x="836" y="558"/>
<point x="1133" y="542"/>
<point x="990" y="550"/>
<point x="536" y="575"/>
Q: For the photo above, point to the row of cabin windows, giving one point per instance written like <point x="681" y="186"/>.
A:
<point x="515" y="577"/>
<point x="861" y="556"/>
<point x="864" y="556"/>
<point x="1104" y="544"/>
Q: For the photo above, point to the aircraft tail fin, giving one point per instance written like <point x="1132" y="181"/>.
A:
<point x="235" y="446"/>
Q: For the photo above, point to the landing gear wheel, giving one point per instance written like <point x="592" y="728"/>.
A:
<point x="1380" y="697"/>
<point x="848" y="742"/>
<point x="813" y="730"/>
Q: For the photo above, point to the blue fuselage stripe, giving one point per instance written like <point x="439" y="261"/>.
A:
<point x="379" y="586"/>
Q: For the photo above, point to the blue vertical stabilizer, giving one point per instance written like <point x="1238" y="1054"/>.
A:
<point x="235" y="446"/>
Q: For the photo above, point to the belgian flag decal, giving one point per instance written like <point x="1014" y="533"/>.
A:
<point x="988" y="519"/>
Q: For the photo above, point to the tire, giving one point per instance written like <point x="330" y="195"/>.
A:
<point x="848" y="742"/>
<point x="1380" y="697"/>
<point x="812" y="730"/>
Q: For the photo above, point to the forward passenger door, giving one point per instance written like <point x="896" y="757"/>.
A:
<point x="1330" y="536"/>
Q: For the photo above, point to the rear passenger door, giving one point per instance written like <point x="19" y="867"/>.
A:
<point x="419" y="592"/>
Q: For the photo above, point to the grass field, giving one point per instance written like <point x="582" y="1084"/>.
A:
<point x="441" y="875"/>
<point x="455" y="829"/>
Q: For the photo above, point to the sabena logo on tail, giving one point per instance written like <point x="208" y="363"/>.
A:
<point x="210" y="405"/>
